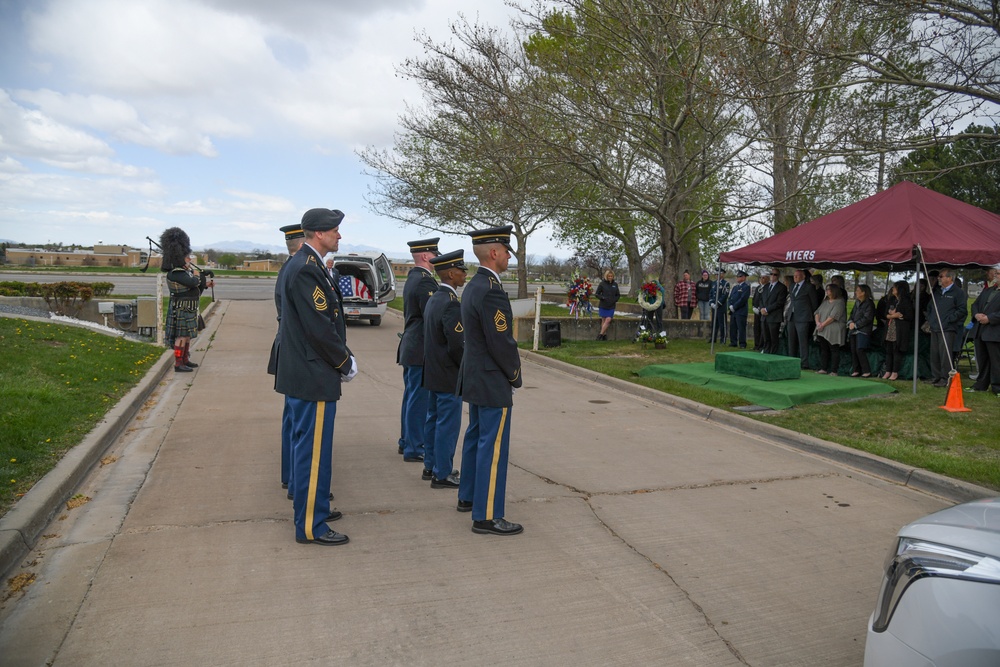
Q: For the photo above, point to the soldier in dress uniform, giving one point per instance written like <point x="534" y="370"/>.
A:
<point x="185" y="284"/>
<point x="293" y="241"/>
<point x="490" y="371"/>
<point x="444" y="342"/>
<point x="739" y="297"/>
<point x="313" y="361"/>
<point x="419" y="287"/>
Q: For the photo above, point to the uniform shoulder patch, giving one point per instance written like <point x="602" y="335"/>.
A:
<point x="319" y="299"/>
<point x="500" y="320"/>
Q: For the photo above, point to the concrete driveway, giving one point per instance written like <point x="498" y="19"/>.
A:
<point x="651" y="536"/>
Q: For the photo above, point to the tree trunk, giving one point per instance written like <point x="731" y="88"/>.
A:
<point x="522" y="267"/>
<point x="634" y="259"/>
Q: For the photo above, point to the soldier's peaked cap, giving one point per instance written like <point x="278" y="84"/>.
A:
<point x="293" y="231"/>
<point x="493" y="235"/>
<point x="424" y="245"/>
<point x="321" y="219"/>
<point x="450" y="260"/>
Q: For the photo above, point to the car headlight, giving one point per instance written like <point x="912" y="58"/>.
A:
<point x="914" y="559"/>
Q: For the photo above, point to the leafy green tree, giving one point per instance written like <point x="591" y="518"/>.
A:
<point x="636" y="87"/>
<point x="967" y="169"/>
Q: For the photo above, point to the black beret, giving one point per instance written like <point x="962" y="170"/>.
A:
<point x="451" y="260"/>
<point x="321" y="219"/>
<point x="292" y="231"/>
<point x="424" y="245"/>
<point x="493" y="235"/>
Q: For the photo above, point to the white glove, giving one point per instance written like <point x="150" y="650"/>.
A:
<point x="732" y="309"/>
<point x="349" y="375"/>
<point x="714" y="305"/>
<point x="756" y="311"/>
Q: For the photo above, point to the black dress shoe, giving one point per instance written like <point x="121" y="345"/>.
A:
<point x="400" y="451"/>
<point x="449" y="482"/>
<point x="334" y="515"/>
<point x="183" y="369"/>
<point x="464" y="506"/>
<point x="414" y="458"/>
<point x="427" y="475"/>
<point x="291" y="497"/>
<point x="331" y="539"/>
<point x="497" y="527"/>
<point x="191" y="364"/>
<point x="284" y="485"/>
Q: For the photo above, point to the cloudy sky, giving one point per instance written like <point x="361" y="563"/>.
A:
<point x="228" y="118"/>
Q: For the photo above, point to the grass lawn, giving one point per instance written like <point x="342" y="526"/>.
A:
<point x="56" y="383"/>
<point x="904" y="427"/>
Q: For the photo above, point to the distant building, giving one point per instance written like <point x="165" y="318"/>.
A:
<point x="100" y="255"/>
<point x="260" y="265"/>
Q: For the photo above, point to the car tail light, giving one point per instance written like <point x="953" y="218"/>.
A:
<point x="913" y="559"/>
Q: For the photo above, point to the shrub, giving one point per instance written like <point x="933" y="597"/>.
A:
<point x="102" y="288"/>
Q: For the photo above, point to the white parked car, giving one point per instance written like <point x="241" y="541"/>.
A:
<point x="367" y="283"/>
<point x="939" y="605"/>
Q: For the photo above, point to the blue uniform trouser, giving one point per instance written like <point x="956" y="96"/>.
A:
<point x="312" y="448"/>
<point x="444" y="421"/>
<point x="484" y="461"/>
<point x="286" y="444"/>
<point x="415" y="417"/>
<point x="719" y="329"/>
<point x="738" y="328"/>
<point x="402" y="416"/>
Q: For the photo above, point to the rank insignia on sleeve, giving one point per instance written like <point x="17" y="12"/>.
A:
<point x="458" y="328"/>
<point x="500" y="320"/>
<point x="319" y="299"/>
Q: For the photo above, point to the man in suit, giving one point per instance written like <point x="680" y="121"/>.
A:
<point x="773" y="311"/>
<point x="444" y="342"/>
<point x="946" y="315"/>
<point x="313" y="361"/>
<point x="986" y="315"/>
<point x="756" y="300"/>
<point x="804" y="305"/>
<point x="490" y="371"/>
<point x="294" y="236"/>
<point x="419" y="287"/>
<point x="739" y="299"/>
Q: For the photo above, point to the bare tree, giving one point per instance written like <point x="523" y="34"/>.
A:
<point x="461" y="161"/>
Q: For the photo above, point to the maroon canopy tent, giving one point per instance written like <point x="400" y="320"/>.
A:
<point x="882" y="232"/>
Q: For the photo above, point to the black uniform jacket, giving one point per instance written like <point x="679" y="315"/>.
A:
<point x="774" y="297"/>
<point x="444" y="340"/>
<point x="419" y="287"/>
<point x="804" y="302"/>
<point x="279" y="285"/>
<point x="313" y="352"/>
<point x="491" y="365"/>
<point x="863" y="315"/>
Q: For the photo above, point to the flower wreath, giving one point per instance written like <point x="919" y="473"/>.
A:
<point x="649" y="336"/>
<point x="579" y="290"/>
<point x="651" y="295"/>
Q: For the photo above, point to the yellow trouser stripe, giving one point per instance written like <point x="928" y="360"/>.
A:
<point x="494" y="464"/>
<point x="314" y="468"/>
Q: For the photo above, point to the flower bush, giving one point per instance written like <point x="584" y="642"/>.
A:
<point x="649" y="336"/>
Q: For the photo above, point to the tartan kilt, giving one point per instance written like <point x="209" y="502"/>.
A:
<point x="182" y="320"/>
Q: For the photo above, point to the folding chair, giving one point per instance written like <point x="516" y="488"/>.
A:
<point x="966" y="349"/>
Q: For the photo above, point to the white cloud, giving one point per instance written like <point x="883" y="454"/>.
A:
<point x="120" y="120"/>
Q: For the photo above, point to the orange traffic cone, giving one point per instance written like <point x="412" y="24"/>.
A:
<point x="955" y="402"/>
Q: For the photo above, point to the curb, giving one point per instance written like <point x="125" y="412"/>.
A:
<point x="21" y="527"/>
<point x="898" y="473"/>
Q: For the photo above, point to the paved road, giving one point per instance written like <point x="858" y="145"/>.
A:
<point x="144" y="284"/>
<point x="651" y="536"/>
